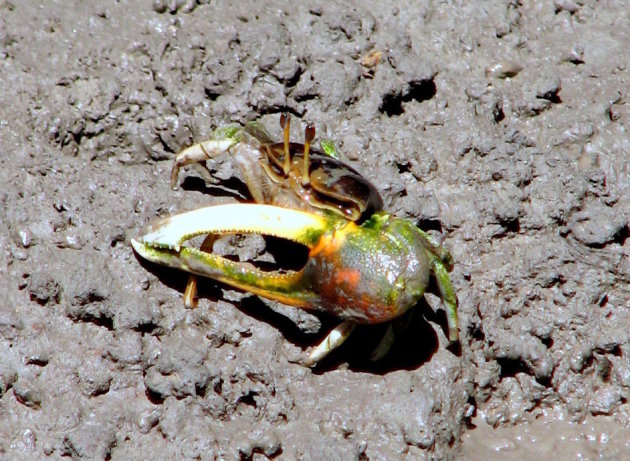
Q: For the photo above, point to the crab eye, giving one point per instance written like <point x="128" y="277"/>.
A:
<point x="309" y="134"/>
<point x="285" y="123"/>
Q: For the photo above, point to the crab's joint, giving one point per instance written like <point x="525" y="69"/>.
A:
<point x="285" y="123"/>
<point x="309" y="135"/>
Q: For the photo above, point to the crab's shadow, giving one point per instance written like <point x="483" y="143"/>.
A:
<point x="414" y="344"/>
<point x="206" y="184"/>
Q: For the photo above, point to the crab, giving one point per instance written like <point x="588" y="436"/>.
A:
<point x="364" y="265"/>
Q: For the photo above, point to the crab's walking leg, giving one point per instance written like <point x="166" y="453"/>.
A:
<point x="190" y="294"/>
<point x="441" y="265"/>
<point x="449" y="298"/>
<point x="384" y="345"/>
<point x="396" y="326"/>
<point x="442" y="253"/>
<point x="334" y="339"/>
<point x="198" y="153"/>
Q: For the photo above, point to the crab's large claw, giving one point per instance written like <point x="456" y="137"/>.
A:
<point x="163" y="243"/>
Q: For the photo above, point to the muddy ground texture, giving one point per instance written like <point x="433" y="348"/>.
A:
<point x="501" y="129"/>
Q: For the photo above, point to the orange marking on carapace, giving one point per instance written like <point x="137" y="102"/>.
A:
<point x="350" y="277"/>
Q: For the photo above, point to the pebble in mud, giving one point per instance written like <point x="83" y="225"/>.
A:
<point x="605" y="400"/>
<point x="25" y="238"/>
<point x="260" y="441"/>
<point x="148" y="419"/>
<point x="89" y="440"/>
<point x="95" y="378"/>
<point x="44" y="288"/>
<point x="8" y="377"/>
<point x="504" y="69"/>
<point x="598" y="225"/>
<point x="25" y="441"/>
<point x="179" y="367"/>
<point x="28" y="393"/>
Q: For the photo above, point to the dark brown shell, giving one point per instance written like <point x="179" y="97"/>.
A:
<point x="333" y="183"/>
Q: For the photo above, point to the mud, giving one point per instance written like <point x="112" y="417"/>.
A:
<point x="500" y="127"/>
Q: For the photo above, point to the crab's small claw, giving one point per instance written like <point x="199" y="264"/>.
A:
<point x="198" y="153"/>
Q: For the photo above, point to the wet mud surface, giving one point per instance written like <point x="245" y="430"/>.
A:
<point x="502" y="129"/>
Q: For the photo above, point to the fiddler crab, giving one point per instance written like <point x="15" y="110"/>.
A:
<point x="363" y="266"/>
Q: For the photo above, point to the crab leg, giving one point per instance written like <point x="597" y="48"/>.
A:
<point x="441" y="264"/>
<point x="333" y="340"/>
<point x="448" y="297"/>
